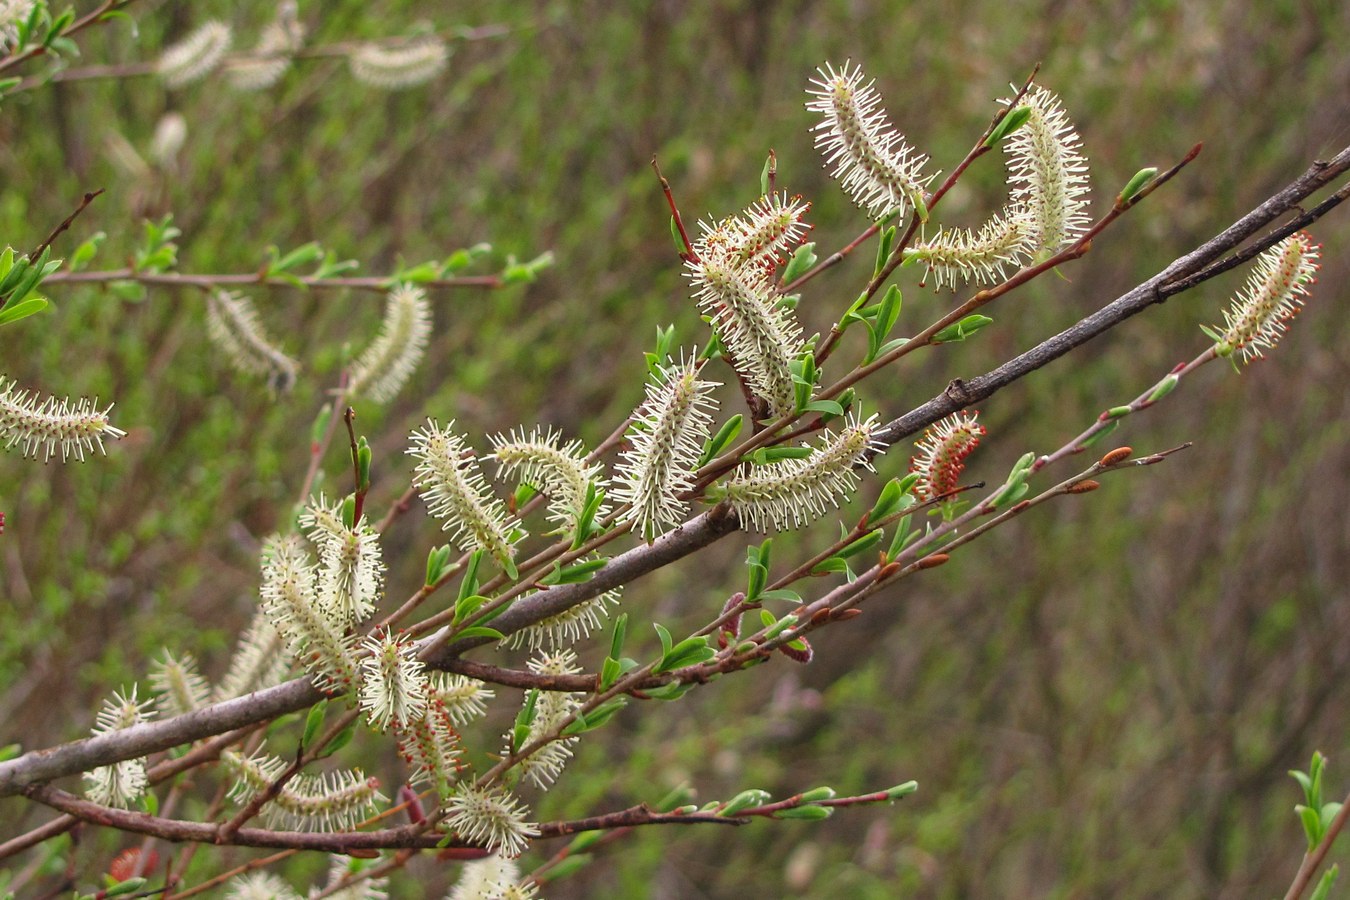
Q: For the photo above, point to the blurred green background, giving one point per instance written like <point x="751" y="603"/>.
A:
<point x="1100" y="700"/>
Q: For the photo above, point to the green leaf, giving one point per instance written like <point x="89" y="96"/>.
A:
<point x="10" y="751"/>
<point x="805" y="813"/>
<point x="725" y="435"/>
<point x="300" y="256"/>
<point x="902" y="790"/>
<point x="1312" y="824"/>
<point x="667" y="692"/>
<point x="764" y="175"/>
<point x="85" y="252"/>
<point x="524" y="719"/>
<point x="959" y="331"/>
<point x="618" y="636"/>
<point x="22" y="310"/>
<point x="884" y="249"/>
<point x="569" y="865"/>
<point x="801" y="262"/>
<point x="826" y="407"/>
<point x="468" y="585"/>
<point x="1136" y="184"/>
<point x="576" y="573"/>
<point x="436" y="560"/>
<point x="787" y="594"/>
<point x="584" y="841"/>
<point x="1014" y="120"/>
<point x="861" y="545"/>
<point x="663" y="634"/>
<point x="1323" y="889"/>
<point x="610" y="670"/>
<point x="313" y="722"/>
<point x="341" y="739"/>
<point x="1163" y="388"/>
<point x="816" y="794"/>
<point x="745" y="800"/>
<point x="478" y="631"/>
<point x="596" y="717"/>
<point x="766" y="455"/>
<point x="122" y="888"/>
<point x="675" y="236"/>
<point x="1106" y="429"/>
<point x="462" y="259"/>
<point x="888" y="501"/>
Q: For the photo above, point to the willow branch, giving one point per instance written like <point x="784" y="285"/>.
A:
<point x="701" y="531"/>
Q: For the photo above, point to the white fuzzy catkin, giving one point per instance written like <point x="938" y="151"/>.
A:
<point x="42" y="426"/>
<point x="490" y="817"/>
<point x="232" y="323"/>
<point x="196" y="56"/>
<point x="269" y="59"/>
<point x="393" y="684"/>
<point x="453" y="488"/>
<point x="1048" y="174"/>
<point x="394" y="68"/>
<point x="181" y="687"/>
<point x="391" y="358"/>
<point x="981" y="256"/>
<point x="872" y="162"/>
<point x="667" y="433"/>
<point x="797" y="492"/>
<point x="332" y="801"/>
<point x="762" y="336"/>
<point x="559" y="471"/>
<point x="290" y="600"/>
<point x="1273" y="294"/>
<point x="351" y="570"/>
<point x="122" y="783"/>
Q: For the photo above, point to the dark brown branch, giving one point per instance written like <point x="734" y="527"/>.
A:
<point x="176" y="830"/>
<point x="56" y="232"/>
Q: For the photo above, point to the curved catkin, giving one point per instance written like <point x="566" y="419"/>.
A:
<point x="431" y="747"/>
<point x="452" y="485"/>
<point x="122" y="783"/>
<point x="351" y="572"/>
<point x="196" y="56"/>
<point x="269" y="59"/>
<point x="1048" y="173"/>
<point x="393" y="684"/>
<point x="760" y="235"/>
<point x="872" y="162"/>
<point x="490" y="817"/>
<point x="559" y="471"/>
<point x="797" y="492"/>
<point x="551" y="708"/>
<point x="762" y="336"/>
<point x="181" y="687"/>
<point x="332" y="801"/>
<point x="395" y="68"/>
<point x="667" y="433"/>
<point x="387" y="363"/>
<point x="981" y="256"/>
<point x="291" y="602"/>
<point x="232" y="323"/>
<point x="941" y="453"/>
<point x="261" y="659"/>
<point x="1273" y="294"/>
<point x="42" y="426"/>
<point x="567" y="627"/>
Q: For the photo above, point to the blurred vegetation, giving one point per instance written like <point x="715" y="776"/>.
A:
<point x="1101" y="700"/>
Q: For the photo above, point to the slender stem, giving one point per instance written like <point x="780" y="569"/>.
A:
<point x="1313" y="860"/>
<point x="375" y="283"/>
